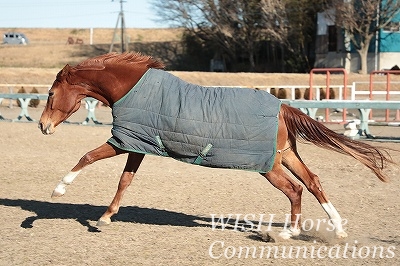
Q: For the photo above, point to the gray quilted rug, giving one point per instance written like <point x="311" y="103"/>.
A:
<point x="216" y="127"/>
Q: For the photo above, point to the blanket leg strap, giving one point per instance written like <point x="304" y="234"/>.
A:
<point x="202" y="154"/>
<point x="161" y="146"/>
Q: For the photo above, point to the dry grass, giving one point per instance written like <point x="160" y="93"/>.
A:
<point x="100" y="36"/>
<point x="48" y="48"/>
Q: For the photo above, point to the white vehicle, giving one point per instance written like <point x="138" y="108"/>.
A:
<point x="15" y="38"/>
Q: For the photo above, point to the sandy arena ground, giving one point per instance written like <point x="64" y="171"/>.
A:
<point x="166" y="214"/>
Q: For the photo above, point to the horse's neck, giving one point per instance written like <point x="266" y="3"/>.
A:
<point x="116" y="83"/>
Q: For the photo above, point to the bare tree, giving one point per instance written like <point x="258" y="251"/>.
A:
<point x="362" y="19"/>
<point x="298" y="24"/>
<point x="229" y="24"/>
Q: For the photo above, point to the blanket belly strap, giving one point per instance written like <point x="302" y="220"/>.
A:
<point x="161" y="146"/>
<point x="202" y="154"/>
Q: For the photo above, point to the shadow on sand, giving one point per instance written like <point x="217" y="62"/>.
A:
<point x="84" y="213"/>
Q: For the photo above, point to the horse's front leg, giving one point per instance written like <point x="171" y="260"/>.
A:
<point x="102" y="152"/>
<point x="132" y="164"/>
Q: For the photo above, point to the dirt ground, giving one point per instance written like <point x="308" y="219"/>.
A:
<point x="166" y="217"/>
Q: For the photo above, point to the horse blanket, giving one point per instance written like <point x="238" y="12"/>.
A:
<point x="211" y="126"/>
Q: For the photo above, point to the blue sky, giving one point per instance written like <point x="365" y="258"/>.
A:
<point x="75" y="14"/>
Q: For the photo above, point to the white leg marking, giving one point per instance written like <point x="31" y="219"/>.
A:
<point x="335" y="218"/>
<point x="61" y="187"/>
<point x="289" y="232"/>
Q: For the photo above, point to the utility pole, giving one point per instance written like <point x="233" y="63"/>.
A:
<point x="120" y="17"/>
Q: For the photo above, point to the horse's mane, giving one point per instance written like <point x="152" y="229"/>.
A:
<point x="100" y="62"/>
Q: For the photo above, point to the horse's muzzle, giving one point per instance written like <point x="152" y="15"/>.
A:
<point x="46" y="129"/>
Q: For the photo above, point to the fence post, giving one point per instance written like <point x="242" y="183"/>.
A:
<point x="10" y="105"/>
<point x="371" y="85"/>
<point x="328" y="71"/>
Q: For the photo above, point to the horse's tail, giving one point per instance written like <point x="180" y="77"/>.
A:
<point x="302" y="126"/>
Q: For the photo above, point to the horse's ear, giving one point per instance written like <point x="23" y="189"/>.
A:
<point x="65" y="70"/>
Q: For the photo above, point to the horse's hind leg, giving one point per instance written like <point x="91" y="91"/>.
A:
<point x="102" y="152"/>
<point x="292" y="161"/>
<point x="132" y="164"/>
<point x="279" y="179"/>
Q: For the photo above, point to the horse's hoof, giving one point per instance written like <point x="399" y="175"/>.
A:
<point x="57" y="193"/>
<point x="103" y="222"/>
<point x="295" y="231"/>
<point x="341" y="234"/>
<point x="285" y="234"/>
<point x="288" y="233"/>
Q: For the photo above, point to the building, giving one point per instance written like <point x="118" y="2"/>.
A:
<point x="333" y="48"/>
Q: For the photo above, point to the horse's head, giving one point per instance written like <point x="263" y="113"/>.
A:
<point x="64" y="99"/>
<point x="106" y="77"/>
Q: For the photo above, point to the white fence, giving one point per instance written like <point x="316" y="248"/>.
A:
<point x="376" y="94"/>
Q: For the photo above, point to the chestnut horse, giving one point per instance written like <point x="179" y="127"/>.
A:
<point x="110" y="77"/>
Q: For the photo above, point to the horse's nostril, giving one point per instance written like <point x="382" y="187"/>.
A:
<point x="43" y="128"/>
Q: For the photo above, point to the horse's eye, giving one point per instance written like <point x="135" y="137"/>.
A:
<point x="51" y="93"/>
